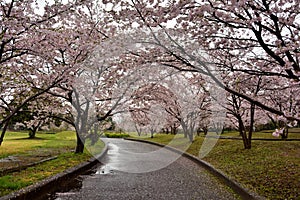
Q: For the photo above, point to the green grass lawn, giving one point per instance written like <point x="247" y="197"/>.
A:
<point x="19" y="143"/>
<point x="294" y="133"/>
<point x="270" y="168"/>
<point x="61" y="144"/>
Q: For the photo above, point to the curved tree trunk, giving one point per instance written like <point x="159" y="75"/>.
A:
<point x="138" y="130"/>
<point x="32" y="131"/>
<point x="79" y="144"/>
<point x="3" y="131"/>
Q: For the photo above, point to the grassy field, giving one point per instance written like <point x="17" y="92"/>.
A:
<point x="270" y="168"/>
<point x="19" y="143"/>
<point x="44" y="145"/>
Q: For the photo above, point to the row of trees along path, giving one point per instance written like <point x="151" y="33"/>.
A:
<point x="83" y="62"/>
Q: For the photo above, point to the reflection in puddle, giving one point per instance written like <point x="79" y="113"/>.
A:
<point x="105" y="169"/>
<point x="113" y="149"/>
<point x="66" y="190"/>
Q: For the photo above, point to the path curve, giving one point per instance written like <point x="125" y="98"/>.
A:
<point x="182" y="179"/>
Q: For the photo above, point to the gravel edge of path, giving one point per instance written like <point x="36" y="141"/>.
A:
<point x="50" y="184"/>
<point x="235" y="186"/>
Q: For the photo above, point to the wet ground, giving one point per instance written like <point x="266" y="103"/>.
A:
<point x="133" y="170"/>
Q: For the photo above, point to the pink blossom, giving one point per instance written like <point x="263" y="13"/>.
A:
<point x="276" y="133"/>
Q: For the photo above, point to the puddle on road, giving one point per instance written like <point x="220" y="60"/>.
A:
<point x="70" y="188"/>
<point x="105" y="169"/>
<point x="67" y="189"/>
<point x="113" y="149"/>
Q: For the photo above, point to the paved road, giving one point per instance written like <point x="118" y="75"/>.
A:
<point x="133" y="170"/>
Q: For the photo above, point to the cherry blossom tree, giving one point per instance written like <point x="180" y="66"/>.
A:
<point x="35" y="49"/>
<point x="41" y="52"/>
<point x="254" y="38"/>
<point x="156" y="119"/>
<point x="154" y="94"/>
<point x="37" y="113"/>
<point x="193" y="104"/>
<point x="125" y="123"/>
<point x="54" y="53"/>
<point x="183" y="100"/>
<point x="283" y="98"/>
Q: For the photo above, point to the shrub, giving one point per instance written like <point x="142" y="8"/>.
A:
<point x="116" y="135"/>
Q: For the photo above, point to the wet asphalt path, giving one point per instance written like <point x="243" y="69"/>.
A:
<point x="133" y="170"/>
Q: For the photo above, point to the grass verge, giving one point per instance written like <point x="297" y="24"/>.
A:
<point x="17" y="180"/>
<point x="60" y="144"/>
<point x="270" y="168"/>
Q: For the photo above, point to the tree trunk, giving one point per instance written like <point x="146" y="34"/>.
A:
<point x="32" y="132"/>
<point x="152" y="133"/>
<point x="249" y="139"/>
<point x="80" y="144"/>
<point x="138" y="130"/>
<point x="173" y="130"/>
<point x="3" y="131"/>
<point x="94" y="138"/>
<point x="285" y="133"/>
<point x="243" y="133"/>
<point x="191" y="136"/>
<point x="185" y="131"/>
<point x="198" y="131"/>
<point x="191" y="131"/>
<point x="205" y="129"/>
